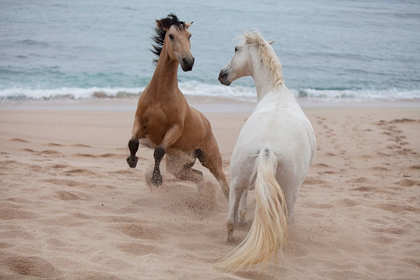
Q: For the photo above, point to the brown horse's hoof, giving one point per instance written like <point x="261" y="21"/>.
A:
<point x="156" y="179"/>
<point x="132" y="161"/>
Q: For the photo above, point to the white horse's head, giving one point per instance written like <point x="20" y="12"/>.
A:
<point x="252" y="51"/>
<point x="240" y="65"/>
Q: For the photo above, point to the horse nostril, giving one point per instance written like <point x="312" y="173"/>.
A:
<point x="222" y="74"/>
<point x="184" y="60"/>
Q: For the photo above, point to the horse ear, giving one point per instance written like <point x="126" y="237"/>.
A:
<point x="188" y="24"/>
<point x="271" y="42"/>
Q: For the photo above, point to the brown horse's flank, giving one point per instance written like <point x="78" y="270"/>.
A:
<point x="164" y="117"/>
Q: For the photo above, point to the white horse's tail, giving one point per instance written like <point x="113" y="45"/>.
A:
<point x="268" y="232"/>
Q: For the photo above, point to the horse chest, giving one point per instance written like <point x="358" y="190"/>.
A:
<point x="155" y="122"/>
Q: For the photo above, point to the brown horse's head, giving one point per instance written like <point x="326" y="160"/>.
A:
<point x="174" y="35"/>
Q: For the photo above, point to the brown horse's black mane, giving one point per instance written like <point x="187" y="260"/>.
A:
<point x="160" y="32"/>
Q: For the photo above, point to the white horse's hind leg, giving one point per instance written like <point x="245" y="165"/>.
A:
<point x="234" y="197"/>
<point x="291" y="200"/>
<point x="242" y="209"/>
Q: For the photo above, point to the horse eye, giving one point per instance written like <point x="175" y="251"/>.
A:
<point x="236" y="49"/>
<point x="171" y="37"/>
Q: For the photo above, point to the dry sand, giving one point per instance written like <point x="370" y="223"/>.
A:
<point x="71" y="208"/>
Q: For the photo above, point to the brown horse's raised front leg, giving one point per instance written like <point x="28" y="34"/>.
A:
<point x="133" y="146"/>
<point x="156" y="176"/>
<point x="171" y="136"/>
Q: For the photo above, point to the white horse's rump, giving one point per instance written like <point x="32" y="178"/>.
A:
<point x="273" y="153"/>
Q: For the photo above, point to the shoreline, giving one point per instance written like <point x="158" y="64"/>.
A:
<point x="202" y="103"/>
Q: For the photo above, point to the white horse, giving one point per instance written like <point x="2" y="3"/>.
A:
<point x="273" y="153"/>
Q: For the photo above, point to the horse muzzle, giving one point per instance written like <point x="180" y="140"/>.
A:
<point x="223" y="77"/>
<point x="187" y="64"/>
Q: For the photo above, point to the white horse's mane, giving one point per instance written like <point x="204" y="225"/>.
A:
<point x="267" y="53"/>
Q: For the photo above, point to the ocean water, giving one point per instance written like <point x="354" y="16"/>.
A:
<point x="330" y="50"/>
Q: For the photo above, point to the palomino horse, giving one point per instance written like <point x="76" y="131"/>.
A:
<point x="273" y="153"/>
<point x="163" y="118"/>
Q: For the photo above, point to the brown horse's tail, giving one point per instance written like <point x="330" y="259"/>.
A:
<point x="269" y="229"/>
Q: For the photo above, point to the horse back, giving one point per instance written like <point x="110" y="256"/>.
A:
<point x="283" y="129"/>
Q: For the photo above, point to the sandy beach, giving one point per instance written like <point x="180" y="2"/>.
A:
<point x="71" y="208"/>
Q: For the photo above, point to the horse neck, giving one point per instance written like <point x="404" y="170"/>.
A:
<point x="264" y="78"/>
<point x="166" y="73"/>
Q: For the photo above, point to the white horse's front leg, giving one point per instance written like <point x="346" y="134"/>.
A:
<point x="242" y="209"/>
<point x="234" y="197"/>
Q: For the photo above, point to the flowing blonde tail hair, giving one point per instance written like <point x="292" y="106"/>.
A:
<point x="268" y="232"/>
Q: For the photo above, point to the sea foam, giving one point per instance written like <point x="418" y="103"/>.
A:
<point x="194" y="88"/>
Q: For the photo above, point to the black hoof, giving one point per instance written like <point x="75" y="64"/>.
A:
<point x="156" y="179"/>
<point x="132" y="161"/>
